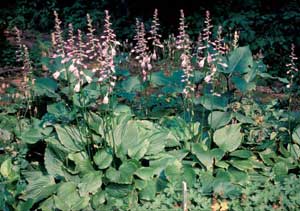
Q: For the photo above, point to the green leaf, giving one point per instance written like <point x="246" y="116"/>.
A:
<point x="159" y="79"/>
<point x="82" y="162"/>
<point x="90" y="183"/>
<point x="211" y="102"/>
<point x="70" y="137"/>
<point x="145" y="173"/>
<point x="242" y="165"/>
<point x="218" y="119"/>
<point x="242" y="154"/>
<point x="32" y="136"/>
<point x="131" y="84"/>
<point x="125" y="173"/>
<point x="149" y="191"/>
<point x="9" y="171"/>
<point x="281" y="170"/>
<point x="45" y="86"/>
<point x="296" y="135"/>
<point x="228" y="138"/>
<point x="242" y="85"/>
<point x="103" y="158"/>
<point x="39" y="186"/>
<point x="240" y="60"/>
<point x="54" y="158"/>
<point x="68" y="198"/>
<point x="173" y="172"/>
<point x="206" y="156"/>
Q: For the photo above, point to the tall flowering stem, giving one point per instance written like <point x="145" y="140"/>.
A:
<point x="184" y="44"/>
<point x="140" y="50"/>
<point x="108" y="52"/>
<point x="155" y="36"/>
<point x="291" y="72"/>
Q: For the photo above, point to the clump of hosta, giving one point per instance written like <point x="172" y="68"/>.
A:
<point x="184" y="43"/>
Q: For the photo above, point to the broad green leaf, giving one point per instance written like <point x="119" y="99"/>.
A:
<point x="149" y="191"/>
<point x="125" y="173"/>
<point x="98" y="199"/>
<point x="242" y="154"/>
<point x="118" y="191"/>
<point x="145" y="173"/>
<point x="218" y="119"/>
<point x="90" y="183"/>
<point x="296" y="135"/>
<point x="131" y="84"/>
<point x="159" y="79"/>
<point x="31" y="136"/>
<point x="53" y="159"/>
<point x="70" y="137"/>
<point x="45" y="86"/>
<point x="9" y="171"/>
<point x="242" y="85"/>
<point x="68" y="198"/>
<point x="39" y="186"/>
<point x="228" y="138"/>
<point x="212" y="102"/>
<point x="174" y="173"/>
<point x="82" y="162"/>
<point x="240" y="60"/>
<point x="206" y="156"/>
<point x="242" y="165"/>
<point x="281" y="170"/>
<point x="103" y="158"/>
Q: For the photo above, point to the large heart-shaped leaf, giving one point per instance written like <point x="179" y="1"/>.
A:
<point x="103" y="158"/>
<point x="218" y="119"/>
<point x="228" y="138"/>
<point x="296" y="135"/>
<point x="240" y="60"/>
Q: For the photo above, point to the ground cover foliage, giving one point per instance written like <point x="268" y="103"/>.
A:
<point x="100" y="124"/>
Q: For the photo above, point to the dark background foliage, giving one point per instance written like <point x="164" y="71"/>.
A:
<point x="264" y="24"/>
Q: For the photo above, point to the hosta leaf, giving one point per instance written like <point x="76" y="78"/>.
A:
<point x="212" y="102"/>
<point x="103" y="158"/>
<point x="131" y="84"/>
<point x="82" y="162"/>
<point x="45" y="86"/>
<point x="39" y="186"/>
<point x="228" y="138"/>
<point x="31" y="136"/>
<point x="240" y="60"/>
<point x="173" y="172"/>
<point x="218" y="119"/>
<point x="242" y="165"/>
<point x="206" y="156"/>
<point x="125" y="173"/>
<point x="90" y="183"/>
<point x="98" y="199"/>
<point x="149" y="191"/>
<point x="70" y="137"/>
<point x="296" y="135"/>
<point x="9" y="171"/>
<point x="54" y="160"/>
<point x="243" y="85"/>
<point x="145" y="173"/>
<point x="118" y="191"/>
<point x="242" y="153"/>
<point x="68" y="198"/>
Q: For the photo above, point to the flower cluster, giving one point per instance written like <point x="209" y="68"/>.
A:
<point x="141" y="49"/>
<point x="78" y="55"/>
<point x="154" y="36"/>
<point x="184" y="44"/>
<point x="292" y="68"/>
